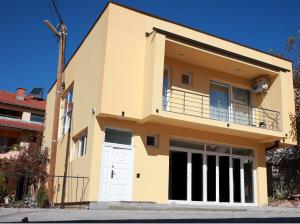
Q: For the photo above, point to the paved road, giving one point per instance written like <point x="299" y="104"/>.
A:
<point x="123" y="216"/>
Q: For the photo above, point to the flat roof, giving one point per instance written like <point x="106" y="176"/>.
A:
<point x="163" y="19"/>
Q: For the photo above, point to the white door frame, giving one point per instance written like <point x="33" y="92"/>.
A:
<point x="119" y="146"/>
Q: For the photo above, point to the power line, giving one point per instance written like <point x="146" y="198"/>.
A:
<point x="57" y="12"/>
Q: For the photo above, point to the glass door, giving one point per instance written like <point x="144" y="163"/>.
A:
<point x="236" y="169"/>
<point x="219" y="102"/>
<point x="211" y="177"/>
<point x="197" y="175"/>
<point x="240" y="105"/>
<point x="248" y="180"/>
<point x="178" y="175"/>
<point x="224" y="181"/>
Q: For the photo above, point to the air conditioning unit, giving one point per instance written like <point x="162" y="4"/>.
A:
<point x="260" y="84"/>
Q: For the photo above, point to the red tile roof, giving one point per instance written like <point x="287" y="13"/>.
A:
<point x="10" y="98"/>
<point x="20" y="124"/>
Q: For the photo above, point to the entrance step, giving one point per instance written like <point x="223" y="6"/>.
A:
<point x="151" y="206"/>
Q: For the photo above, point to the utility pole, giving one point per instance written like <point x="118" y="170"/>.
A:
<point x="61" y="33"/>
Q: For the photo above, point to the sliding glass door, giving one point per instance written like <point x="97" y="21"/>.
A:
<point x="219" y="102"/>
<point x="240" y="105"/>
<point x="210" y="173"/>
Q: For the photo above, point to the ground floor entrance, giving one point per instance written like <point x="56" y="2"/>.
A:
<point x="211" y="173"/>
<point x="117" y="166"/>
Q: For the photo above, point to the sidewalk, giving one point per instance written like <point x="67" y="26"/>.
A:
<point x="248" y="215"/>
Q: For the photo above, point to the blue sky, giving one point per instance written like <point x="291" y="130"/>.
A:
<point x="28" y="51"/>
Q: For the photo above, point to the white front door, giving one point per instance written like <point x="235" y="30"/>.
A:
<point x="116" y="174"/>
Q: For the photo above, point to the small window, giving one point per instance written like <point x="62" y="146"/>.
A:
<point x="186" y="78"/>
<point x="152" y="140"/>
<point x="68" y="106"/>
<point x="118" y="136"/>
<point x="37" y="118"/>
<point x="81" y="143"/>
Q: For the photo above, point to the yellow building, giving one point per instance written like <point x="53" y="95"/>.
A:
<point x="165" y="113"/>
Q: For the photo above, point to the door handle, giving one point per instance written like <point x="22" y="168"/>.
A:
<point x="112" y="174"/>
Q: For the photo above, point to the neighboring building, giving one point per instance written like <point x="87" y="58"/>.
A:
<point x="21" y="119"/>
<point x="165" y="113"/>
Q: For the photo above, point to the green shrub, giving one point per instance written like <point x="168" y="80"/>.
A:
<point x="2" y="184"/>
<point x="42" y="197"/>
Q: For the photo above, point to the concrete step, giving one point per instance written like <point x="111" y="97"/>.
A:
<point x="150" y="206"/>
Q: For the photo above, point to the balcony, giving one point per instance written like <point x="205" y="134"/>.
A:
<point x="198" y="105"/>
<point x="18" y="123"/>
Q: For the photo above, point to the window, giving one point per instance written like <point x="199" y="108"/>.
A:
<point x="118" y="136"/>
<point x="186" y="144"/>
<point x="242" y="152"/>
<point x="10" y="113"/>
<point x="81" y="143"/>
<point x="68" y="106"/>
<point x="241" y="113"/>
<point x="218" y="148"/>
<point x="152" y="140"/>
<point x="186" y="78"/>
<point x="37" y="118"/>
<point x="241" y="96"/>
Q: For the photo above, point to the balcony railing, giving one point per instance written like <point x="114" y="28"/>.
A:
<point x="198" y="105"/>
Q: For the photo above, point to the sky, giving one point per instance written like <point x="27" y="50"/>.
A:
<point x="29" y="52"/>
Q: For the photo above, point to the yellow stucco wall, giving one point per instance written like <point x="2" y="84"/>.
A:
<point x="117" y="69"/>
<point x="153" y="163"/>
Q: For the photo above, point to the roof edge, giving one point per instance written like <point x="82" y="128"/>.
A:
<point x="82" y="41"/>
<point x="220" y="51"/>
<point x="197" y="30"/>
<point x="166" y="20"/>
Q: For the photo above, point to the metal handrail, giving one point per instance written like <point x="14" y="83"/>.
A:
<point x="199" y="105"/>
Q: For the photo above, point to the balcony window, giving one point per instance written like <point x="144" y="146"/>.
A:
<point x="224" y="103"/>
<point x="219" y="102"/>
<point x="240" y="106"/>
<point x="37" y="118"/>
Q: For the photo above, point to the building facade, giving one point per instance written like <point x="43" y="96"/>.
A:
<point x="21" y="120"/>
<point x="165" y="113"/>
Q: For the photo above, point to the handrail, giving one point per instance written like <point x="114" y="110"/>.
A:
<point x="195" y="104"/>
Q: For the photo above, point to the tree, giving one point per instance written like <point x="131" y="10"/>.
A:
<point x="30" y="164"/>
<point x="284" y="164"/>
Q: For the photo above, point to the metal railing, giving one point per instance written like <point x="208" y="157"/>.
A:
<point x="17" y="186"/>
<point x="15" y="118"/>
<point x="198" y="105"/>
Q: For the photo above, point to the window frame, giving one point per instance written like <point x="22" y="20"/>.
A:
<point x="37" y="115"/>
<point x="67" y="110"/>
<point x="80" y="142"/>
<point x="190" y="78"/>
<point x="156" y="140"/>
<point x="118" y="129"/>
